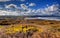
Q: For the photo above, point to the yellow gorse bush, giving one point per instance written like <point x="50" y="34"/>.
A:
<point x="14" y="29"/>
<point x="1" y="26"/>
<point x="21" y="28"/>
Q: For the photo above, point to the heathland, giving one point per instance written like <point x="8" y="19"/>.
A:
<point x="34" y="28"/>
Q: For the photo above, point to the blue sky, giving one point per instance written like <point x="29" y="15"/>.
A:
<point x="29" y="7"/>
<point x="39" y="3"/>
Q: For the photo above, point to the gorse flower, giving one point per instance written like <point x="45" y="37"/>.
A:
<point x="23" y="29"/>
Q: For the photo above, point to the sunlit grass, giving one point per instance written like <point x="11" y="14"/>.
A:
<point x="1" y="26"/>
<point x="21" y="28"/>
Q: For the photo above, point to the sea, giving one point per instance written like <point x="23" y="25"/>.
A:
<point x="57" y="18"/>
<point x="45" y="18"/>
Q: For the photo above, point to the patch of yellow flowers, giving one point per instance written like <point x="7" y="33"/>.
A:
<point x="1" y="26"/>
<point x="21" y="28"/>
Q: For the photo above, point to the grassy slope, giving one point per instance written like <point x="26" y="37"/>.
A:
<point x="31" y="28"/>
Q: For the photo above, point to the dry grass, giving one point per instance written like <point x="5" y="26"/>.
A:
<point x="30" y="29"/>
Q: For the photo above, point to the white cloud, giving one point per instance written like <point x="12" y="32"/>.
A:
<point x="25" y="10"/>
<point x="51" y="9"/>
<point x="11" y="6"/>
<point x="23" y="6"/>
<point x="4" y="0"/>
<point x="33" y="10"/>
<point x="22" y="0"/>
<point x="43" y="11"/>
<point x="32" y="4"/>
<point x="4" y="13"/>
<point x="48" y="10"/>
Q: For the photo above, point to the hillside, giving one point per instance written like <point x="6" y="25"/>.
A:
<point x="29" y="29"/>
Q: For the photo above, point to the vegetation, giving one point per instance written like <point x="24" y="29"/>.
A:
<point x="20" y="28"/>
<point x="30" y="29"/>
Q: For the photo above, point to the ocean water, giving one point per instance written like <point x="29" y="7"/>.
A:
<point x="45" y="18"/>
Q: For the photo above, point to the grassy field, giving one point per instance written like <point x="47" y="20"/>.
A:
<point x="29" y="29"/>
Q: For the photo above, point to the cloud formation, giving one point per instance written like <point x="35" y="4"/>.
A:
<point x="22" y="0"/>
<point x="32" y="4"/>
<point x="23" y="6"/>
<point x="11" y="0"/>
<point x="26" y="10"/>
<point x="51" y="9"/>
<point x="7" y="13"/>
<point x="11" y="6"/>
<point x="4" y="0"/>
<point x="48" y="10"/>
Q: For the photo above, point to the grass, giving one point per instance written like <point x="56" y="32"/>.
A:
<point x="1" y="26"/>
<point x="21" y="28"/>
<point x="32" y="28"/>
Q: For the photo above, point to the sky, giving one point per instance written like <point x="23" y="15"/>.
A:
<point x="30" y="7"/>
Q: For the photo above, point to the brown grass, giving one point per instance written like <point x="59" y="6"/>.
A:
<point x="51" y="29"/>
